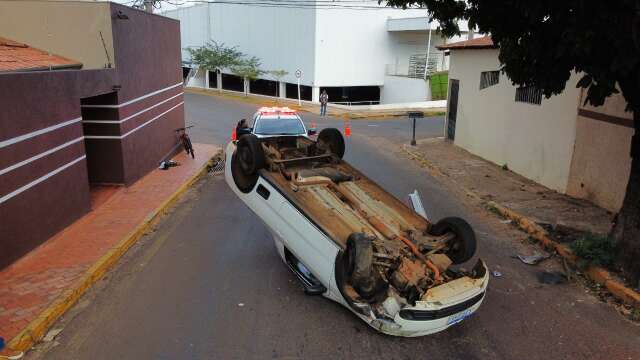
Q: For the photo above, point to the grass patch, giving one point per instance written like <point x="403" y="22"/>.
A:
<point x="593" y="250"/>
<point x="492" y="208"/>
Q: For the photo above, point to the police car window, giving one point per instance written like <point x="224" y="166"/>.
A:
<point x="283" y="125"/>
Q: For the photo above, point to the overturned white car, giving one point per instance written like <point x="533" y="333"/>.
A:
<point x="348" y="239"/>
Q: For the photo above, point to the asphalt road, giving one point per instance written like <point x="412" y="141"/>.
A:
<point x="208" y="284"/>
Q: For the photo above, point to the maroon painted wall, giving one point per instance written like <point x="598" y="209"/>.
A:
<point x="147" y="58"/>
<point x="30" y="102"/>
<point x="142" y="40"/>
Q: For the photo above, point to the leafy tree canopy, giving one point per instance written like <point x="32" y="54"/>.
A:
<point x="541" y="42"/>
<point x="248" y="68"/>
<point x="214" y="56"/>
<point x="278" y="74"/>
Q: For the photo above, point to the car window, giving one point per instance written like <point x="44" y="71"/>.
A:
<point x="278" y="125"/>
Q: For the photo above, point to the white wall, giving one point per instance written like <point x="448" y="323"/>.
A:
<point x="535" y="141"/>
<point x="353" y="46"/>
<point x="282" y="38"/>
<point x="332" y="47"/>
<point x="398" y="89"/>
<point x="194" y="22"/>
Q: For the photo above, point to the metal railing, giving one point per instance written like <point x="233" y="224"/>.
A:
<point x="349" y="103"/>
<point x="416" y="65"/>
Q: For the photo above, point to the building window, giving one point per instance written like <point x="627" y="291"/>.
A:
<point x="489" y="78"/>
<point x="529" y="94"/>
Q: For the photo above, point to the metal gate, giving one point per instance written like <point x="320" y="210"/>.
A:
<point x="452" y="109"/>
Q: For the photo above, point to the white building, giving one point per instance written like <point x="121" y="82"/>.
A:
<point x="559" y="142"/>
<point x="357" y="55"/>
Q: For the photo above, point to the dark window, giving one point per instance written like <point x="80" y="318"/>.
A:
<point x="356" y="95"/>
<point x="213" y="79"/>
<point x="264" y="87"/>
<point x="263" y="192"/>
<point x="232" y="82"/>
<point x="292" y="91"/>
<point x="489" y="78"/>
<point x="278" y="125"/>
<point x="529" y="94"/>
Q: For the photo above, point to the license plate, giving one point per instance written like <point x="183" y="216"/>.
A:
<point x="454" y="319"/>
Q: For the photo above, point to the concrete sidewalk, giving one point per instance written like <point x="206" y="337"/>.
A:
<point x="492" y="183"/>
<point x="39" y="287"/>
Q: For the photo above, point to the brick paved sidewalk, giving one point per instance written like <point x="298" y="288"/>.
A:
<point x="29" y="285"/>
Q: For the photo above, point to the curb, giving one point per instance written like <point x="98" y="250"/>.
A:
<point x="596" y="274"/>
<point x="37" y="328"/>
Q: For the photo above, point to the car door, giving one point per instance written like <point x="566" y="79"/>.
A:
<point x="308" y="243"/>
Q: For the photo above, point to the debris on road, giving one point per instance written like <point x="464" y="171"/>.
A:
<point x="534" y="259"/>
<point x="552" y="277"/>
<point x="51" y="334"/>
<point x="241" y="304"/>
<point x="165" y="165"/>
<point x="496" y="273"/>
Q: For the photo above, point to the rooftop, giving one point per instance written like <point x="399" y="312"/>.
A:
<point x="484" y="42"/>
<point x="15" y="56"/>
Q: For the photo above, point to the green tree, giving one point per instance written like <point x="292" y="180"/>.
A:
<point x="248" y="69"/>
<point x="216" y="57"/>
<point x="277" y="75"/>
<point x="542" y="42"/>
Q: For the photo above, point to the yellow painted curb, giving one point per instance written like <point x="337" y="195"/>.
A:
<point x="39" y="326"/>
<point x="596" y="274"/>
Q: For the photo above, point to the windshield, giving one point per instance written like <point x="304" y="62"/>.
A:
<point x="283" y="125"/>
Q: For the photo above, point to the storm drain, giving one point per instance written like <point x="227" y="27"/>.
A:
<point x="217" y="168"/>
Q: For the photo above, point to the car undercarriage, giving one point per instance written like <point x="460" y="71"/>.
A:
<point x="390" y="258"/>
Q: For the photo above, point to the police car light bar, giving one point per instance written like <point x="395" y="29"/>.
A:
<point x="275" y="110"/>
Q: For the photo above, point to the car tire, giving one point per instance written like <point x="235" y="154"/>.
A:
<point x="364" y="278"/>
<point x="250" y="154"/>
<point x="463" y="246"/>
<point x="331" y="139"/>
<point x="245" y="183"/>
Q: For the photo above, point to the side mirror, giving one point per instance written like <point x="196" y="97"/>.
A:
<point x="311" y="132"/>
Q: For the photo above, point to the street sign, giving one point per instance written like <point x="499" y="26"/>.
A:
<point x="299" y="75"/>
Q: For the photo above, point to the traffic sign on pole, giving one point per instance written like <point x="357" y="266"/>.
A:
<point x="299" y="75"/>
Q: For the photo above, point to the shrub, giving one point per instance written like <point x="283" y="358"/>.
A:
<point x="593" y="250"/>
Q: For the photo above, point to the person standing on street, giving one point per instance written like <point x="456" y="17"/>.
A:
<point x="324" y="99"/>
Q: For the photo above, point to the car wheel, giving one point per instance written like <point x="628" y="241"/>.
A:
<point x="331" y="139"/>
<point x="463" y="246"/>
<point x="244" y="182"/>
<point x="359" y="267"/>
<point x="250" y="154"/>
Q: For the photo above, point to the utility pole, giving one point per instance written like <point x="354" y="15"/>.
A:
<point x="426" y="61"/>
<point x="148" y="6"/>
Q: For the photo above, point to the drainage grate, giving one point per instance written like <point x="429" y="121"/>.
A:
<point x="218" y="167"/>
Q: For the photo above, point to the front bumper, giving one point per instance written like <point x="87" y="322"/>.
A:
<point x="444" y="306"/>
